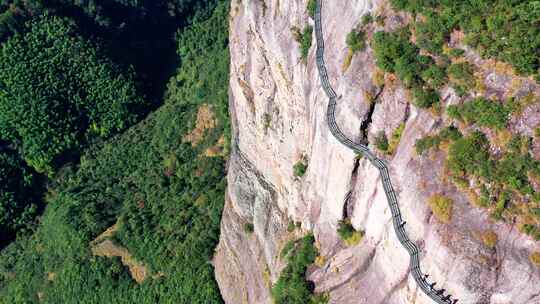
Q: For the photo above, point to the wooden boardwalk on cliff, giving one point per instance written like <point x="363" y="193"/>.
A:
<point x="437" y="295"/>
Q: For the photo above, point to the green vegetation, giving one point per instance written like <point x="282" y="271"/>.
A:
<point x="461" y="77"/>
<point x="348" y="234"/>
<point x="505" y="30"/>
<point x="164" y="193"/>
<point x="447" y="134"/>
<point x="291" y="226"/>
<point x="470" y="156"/>
<point x="248" y="228"/>
<point x="423" y="98"/>
<point x="356" y="40"/>
<point x="381" y="142"/>
<point x="482" y="112"/>
<point x="292" y="286"/>
<point x="435" y="76"/>
<point x="504" y="179"/>
<point x="18" y="203"/>
<point x="312" y="8"/>
<point x="456" y="53"/>
<point x="58" y="91"/>
<point x="395" y="138"/>
<point x="366" y="19"/>
<point x="432" y="33"/>
<point x="502" y="30"/>
<point x="300" y="168"/>
<point x="304" y="39"/>
<point x="395" y="54"/>
<point x="290" y="245"/>
<point x="267" y="121"/>
<point x="426" y="143"/>
<point x="441" y="207"/>
<point x="450" y="133"/>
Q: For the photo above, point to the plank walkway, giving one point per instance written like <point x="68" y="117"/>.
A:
<point x="438" y="295"/>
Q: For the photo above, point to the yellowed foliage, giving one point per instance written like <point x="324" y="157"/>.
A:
<point x="490" y="238"/>
<point x="502" y="67"/>
<point x="368" y="97"/>
<point x="51" y="276"/>
<point x="356" y="237"/>
<point x="347" y="61"/>
<point x="320" y="261"/>
<point x="473" y="197"/>
<point x="480" y="85"/>
<point x="442" y="207"/>
<point x="535" y="258"/>
<point x="378" y="77"/>
<point x="206" y="120"/>
<point x="502" y="138"/>
<point x="217" y="149"/>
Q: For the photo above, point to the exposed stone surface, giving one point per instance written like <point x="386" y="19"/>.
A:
<point x="268" y="80"/>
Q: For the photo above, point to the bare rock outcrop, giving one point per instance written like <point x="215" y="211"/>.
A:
<point x="278" y="111"/>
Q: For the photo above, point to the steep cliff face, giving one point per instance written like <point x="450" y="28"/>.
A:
<point x="278" y="111"/>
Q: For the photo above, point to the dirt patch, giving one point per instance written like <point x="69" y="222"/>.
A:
<point x="206" y="120"/>
<point x="217" y="149"/>
<point x="103" y="246"/>
<point x="108" y="249"/>
<point x="106" y="234"/>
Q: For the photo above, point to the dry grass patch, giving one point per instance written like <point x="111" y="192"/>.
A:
<point x="502" y="138"/>
<point x="442" y="207"/>
<point x="206" y="120"/>
<point x="368" y="97"/>
<point x="348" y="234"/>
<point x="395" y="138"/>
<point x="347" y="61"/>
<point x="479" y="86"/>
<point x="107" y="248"/>
<point x="490" y="238"/>
<point x="103" y="246"/>
<point x="378" y="77"/>
<point x="217" y="149"/>
<point x="535" y="258"/>
<point x="320" y="261"/>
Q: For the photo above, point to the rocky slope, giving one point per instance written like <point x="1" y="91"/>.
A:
<point x="278" y="112"/>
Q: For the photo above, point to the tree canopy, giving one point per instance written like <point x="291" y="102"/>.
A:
<point x="57" y="91"/>
<point x="165" y="194"/>
<point x="18" y="205"/>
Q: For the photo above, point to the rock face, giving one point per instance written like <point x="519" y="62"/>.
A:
<point x="278" y="111"/>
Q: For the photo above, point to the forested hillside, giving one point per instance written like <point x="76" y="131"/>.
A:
<point x="101" y="132"/>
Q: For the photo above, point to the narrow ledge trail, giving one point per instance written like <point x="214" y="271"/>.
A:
<point x="435" y="294"/>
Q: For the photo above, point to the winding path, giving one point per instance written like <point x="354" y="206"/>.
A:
<point x="436" y="295"/>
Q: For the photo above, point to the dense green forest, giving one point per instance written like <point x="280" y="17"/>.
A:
<point x="58" y="91"/>
<point x="505" y="29"/>
<point x="18" y="200"/>
<point x="96" y="100"/>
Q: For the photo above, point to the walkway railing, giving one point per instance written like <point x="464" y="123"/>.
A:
<point x="421" y="279"/>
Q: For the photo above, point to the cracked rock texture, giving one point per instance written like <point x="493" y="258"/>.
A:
<point x="278" y="111"/>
